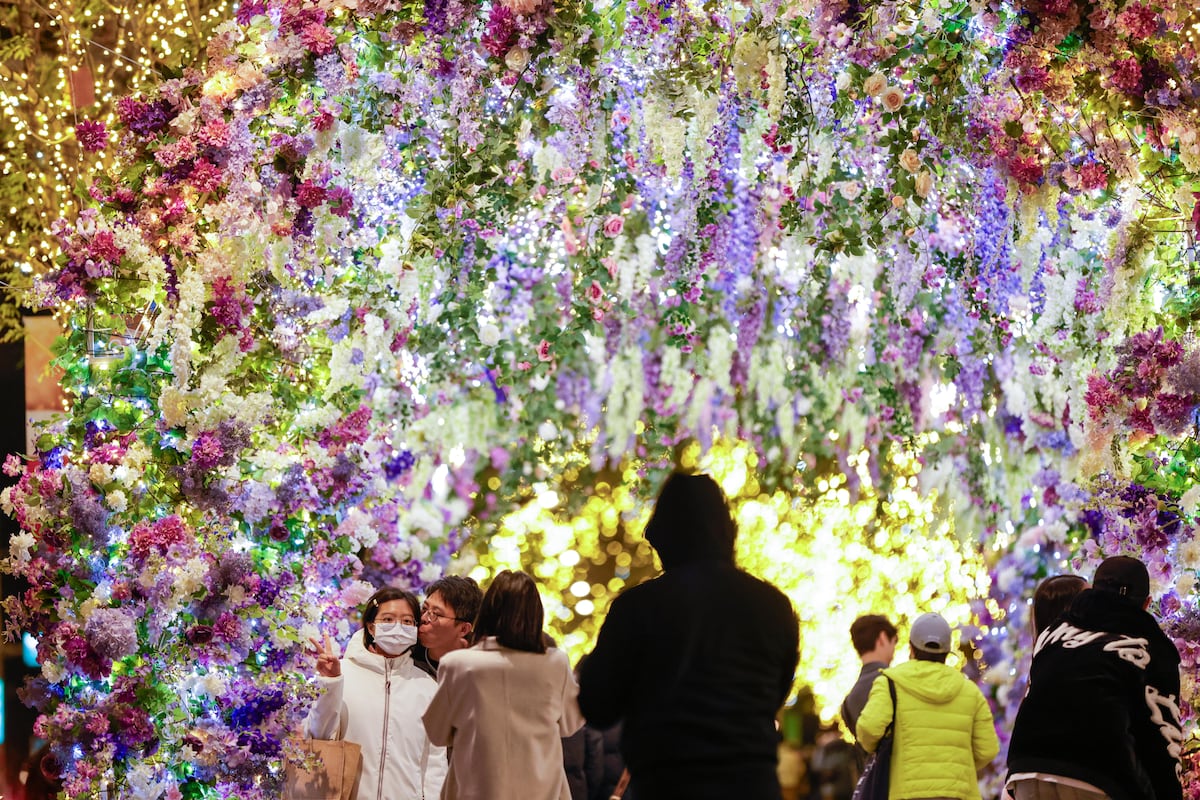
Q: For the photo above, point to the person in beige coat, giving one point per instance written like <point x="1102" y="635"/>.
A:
<point x="503" y="705"/>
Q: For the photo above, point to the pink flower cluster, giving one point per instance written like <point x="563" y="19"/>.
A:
<point x="159" y="536"/>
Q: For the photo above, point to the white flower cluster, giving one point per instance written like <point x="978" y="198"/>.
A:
<point x="635" y="263"/>
<point x="626" y="399"/>
<point x="357" y="527"/>
<point x="666" y="132"/>
<point x="20" y="545"/>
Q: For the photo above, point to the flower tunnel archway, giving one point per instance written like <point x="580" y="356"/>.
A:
<point x="382" y="270"/>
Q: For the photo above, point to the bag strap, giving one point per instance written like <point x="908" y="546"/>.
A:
<point x="622" y="785"/>
<point x="892" y="692"/>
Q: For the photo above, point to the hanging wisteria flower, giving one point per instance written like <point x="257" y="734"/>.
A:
<point x="304" y="313"/>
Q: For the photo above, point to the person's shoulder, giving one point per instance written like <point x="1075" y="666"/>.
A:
<point x="558" y="655"/>
<point x="459" y="660"/>
<point x="413" y="671"/>
<point x="558" y="659"/>
<point x="644" y="592"/>
<point x="764" y="592"/>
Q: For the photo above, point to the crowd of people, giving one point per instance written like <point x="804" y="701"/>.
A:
<point x="1100" y="718"/>
<point x="464" y="695"/>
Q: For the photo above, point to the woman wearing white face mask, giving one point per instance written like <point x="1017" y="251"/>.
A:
<point x="374" y="695"/>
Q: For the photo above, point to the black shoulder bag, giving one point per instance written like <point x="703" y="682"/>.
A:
<point x="873" y="784"/>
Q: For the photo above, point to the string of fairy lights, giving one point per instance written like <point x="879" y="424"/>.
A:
<point x="62" y="62"/>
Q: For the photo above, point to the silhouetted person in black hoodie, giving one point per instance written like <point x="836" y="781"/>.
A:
<point x="696" y="662"/>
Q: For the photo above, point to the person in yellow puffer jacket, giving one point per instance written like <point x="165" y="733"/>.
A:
<point x="944" y="729"/>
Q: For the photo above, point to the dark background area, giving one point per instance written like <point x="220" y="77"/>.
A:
<point x="18" y="720"/>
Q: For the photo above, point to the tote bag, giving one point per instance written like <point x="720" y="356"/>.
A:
<point x="873" y="784"/>
<point x="334" y="778"/>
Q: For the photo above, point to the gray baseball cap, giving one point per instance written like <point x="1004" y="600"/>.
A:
<point x="930" y="634"/>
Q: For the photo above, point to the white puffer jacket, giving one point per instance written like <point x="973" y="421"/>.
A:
<point x="377" y="702"/>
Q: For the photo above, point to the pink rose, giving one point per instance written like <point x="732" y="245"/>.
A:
<point x="613" y="226"/>
<point x="892" y="98"/>
<point x="875" y="84"/>
<point x="924" y="184"/>
<point x="543" y="351"/>
<point x="594" y="293"/>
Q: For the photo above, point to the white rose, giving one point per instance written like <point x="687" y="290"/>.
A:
<point x="516" y="59"/>
<point x="547" y="431"/>
<point x="489" y="334"/>
<point x="843" y="81"/>
<point x="850" y="190"/>
<point x="875" y="84"/>
<point x="910" y="160"/>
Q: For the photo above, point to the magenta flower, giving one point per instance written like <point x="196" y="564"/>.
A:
<point x="92" y="136"/>
<point x="341" y="201"/>
<point x="1126" y="75"/>
<point x="310" y="195"/>
<point x="207" y="451"/>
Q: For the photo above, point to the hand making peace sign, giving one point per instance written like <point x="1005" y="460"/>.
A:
<point x="329" y="663"/>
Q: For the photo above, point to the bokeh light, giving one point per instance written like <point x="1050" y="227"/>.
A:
<point x="835" y="554"/>
<point x="65" y="62"/>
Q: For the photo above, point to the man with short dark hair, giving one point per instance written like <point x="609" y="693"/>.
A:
<point x="1101" y="717"/>
<point x="944" y="733"/>
<point x="874" y="639"/>
<point x="447" y="619"/>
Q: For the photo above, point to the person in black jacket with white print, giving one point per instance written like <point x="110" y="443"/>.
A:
<point x="1101" y="717"/>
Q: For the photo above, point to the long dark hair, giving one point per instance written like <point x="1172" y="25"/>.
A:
<point x="1052" y="597"/>
<point x="370" y="609"/>
<point x="512" y="612"/>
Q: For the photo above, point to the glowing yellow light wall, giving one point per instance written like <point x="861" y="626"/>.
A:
<point x="835" y="556"/>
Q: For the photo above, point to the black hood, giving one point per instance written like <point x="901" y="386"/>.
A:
<point x="691" y="522"/>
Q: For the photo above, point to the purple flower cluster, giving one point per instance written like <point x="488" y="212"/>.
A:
<point x="399" y="464"/>
<point x="112" y="633"/>
<point x="145" y="117"/>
